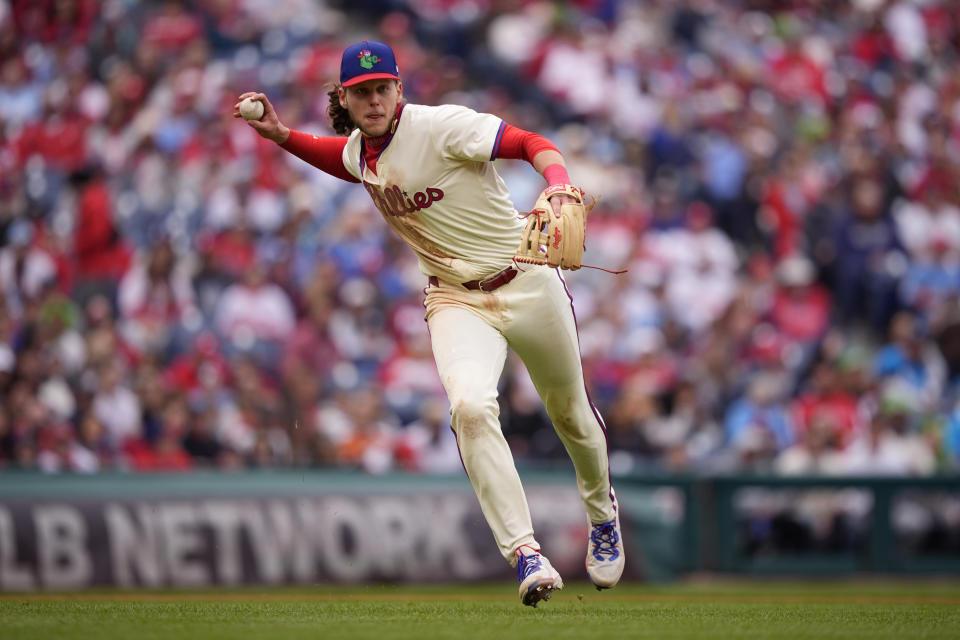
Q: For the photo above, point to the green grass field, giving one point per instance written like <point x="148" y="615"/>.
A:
<point x="835" y="609"/>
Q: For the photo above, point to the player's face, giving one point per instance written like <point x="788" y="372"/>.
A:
<point x="372" y="104"/>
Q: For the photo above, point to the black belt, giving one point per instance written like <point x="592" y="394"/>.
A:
<point x="488" y="284"/>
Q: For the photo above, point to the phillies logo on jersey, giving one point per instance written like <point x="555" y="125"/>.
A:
<point x="394" y="201"/>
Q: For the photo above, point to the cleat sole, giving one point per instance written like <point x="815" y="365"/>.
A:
<point x="537" y="593"/>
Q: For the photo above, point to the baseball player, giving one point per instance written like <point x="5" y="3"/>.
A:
<point x="429" y="171"/>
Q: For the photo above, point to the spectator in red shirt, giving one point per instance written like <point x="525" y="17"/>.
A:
<point x="167" y="452"/>
<point x="225" y="256"/>
<point x="172" y="28"/>
<point x="102" y="256"/>
<point x="201" y="369"/>
<point x="827" y="402"/>
<point x="873" y="46"/>
<point x="801" y="306"/>
<point x="797" y="78"/>
<point x="59" y="137"/>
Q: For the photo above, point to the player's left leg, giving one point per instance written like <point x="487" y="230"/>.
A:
<point x="544" y="334"/>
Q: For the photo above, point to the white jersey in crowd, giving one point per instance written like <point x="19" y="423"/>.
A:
<point x="436" y="187"/>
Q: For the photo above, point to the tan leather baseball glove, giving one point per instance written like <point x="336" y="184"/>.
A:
<point x="547" y="239"/>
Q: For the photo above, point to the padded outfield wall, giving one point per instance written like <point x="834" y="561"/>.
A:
<point x="307" y="527"/>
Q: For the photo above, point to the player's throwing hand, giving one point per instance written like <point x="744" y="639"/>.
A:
<point x="269" y="125"/>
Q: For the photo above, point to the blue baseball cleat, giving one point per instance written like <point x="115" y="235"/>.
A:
<point x="538" y="579"/>
<point x="605" y="557"/>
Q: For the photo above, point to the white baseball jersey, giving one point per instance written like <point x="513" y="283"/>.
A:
<point x="436" y="187"/>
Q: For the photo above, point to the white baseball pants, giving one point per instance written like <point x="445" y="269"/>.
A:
<point x="470" y="332"/>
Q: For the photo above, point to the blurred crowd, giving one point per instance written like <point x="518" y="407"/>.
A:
<point x="780" y="179"/>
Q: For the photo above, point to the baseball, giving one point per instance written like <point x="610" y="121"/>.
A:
<point x="251" y="109"/>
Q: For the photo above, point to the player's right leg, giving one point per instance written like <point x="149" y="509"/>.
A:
<point x="470" y="355"/>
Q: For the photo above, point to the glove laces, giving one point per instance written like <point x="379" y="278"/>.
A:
<point x="605" y="539"/>
<point x="517" y="261"/>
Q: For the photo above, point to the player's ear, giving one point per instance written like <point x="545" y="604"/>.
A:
<point x="399" y="90"/>
<point x="342" y="96"/>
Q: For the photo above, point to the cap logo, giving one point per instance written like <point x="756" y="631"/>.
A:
<point x="368" y="59"/>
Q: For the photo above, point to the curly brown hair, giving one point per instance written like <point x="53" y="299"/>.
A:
<point x="339" y="117"/>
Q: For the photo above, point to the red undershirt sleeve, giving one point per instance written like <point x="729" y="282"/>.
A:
<point x="323" y="152"/>
<point x="514" y="143"/>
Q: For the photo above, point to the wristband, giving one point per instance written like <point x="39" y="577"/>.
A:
<point x="556" y="174"/>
